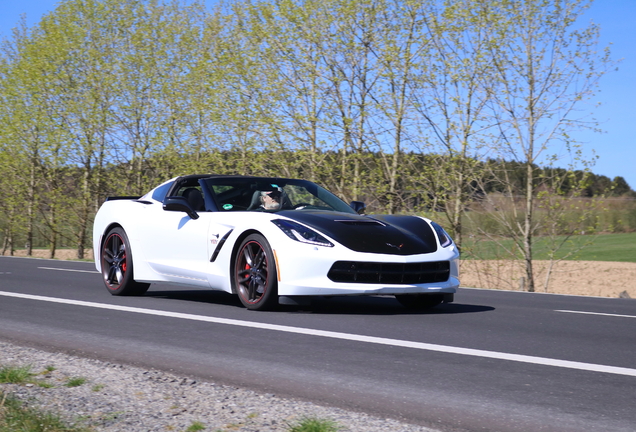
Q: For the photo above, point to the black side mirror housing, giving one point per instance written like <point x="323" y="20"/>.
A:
<point x="358" y="206"/>
<point x="180" y="204"/>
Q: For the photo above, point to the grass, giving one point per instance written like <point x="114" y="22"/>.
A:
<point x="196" y="426"/>
<point x="75" y="382"/>
<point x="604" y="247"/>
<point x="21" y="375"/>
<point x="14" y="416"/>
<point x="313" y="424"/>
<point x="16" y="374"/>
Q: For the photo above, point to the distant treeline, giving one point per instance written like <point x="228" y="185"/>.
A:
<point x="418" y="191"/>
<point x="579" y="182"/>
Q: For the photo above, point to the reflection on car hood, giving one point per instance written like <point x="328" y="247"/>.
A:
<point x="385" y="234"/>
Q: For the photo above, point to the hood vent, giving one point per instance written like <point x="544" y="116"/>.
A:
<point x="359" y="222"/>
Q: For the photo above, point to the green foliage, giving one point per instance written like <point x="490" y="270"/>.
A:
<point x="313" y="424"/>
<point x="16" y="417"/>
<point x="75" y="382"/>
<point x="22" y="375"/>
<point x="196" y="426"/>
<point x="16" y="375"/>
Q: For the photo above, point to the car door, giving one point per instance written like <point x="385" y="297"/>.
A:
<point x="175" y="245"/>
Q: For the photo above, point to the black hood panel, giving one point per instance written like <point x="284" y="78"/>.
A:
<point x="385" y="234"/>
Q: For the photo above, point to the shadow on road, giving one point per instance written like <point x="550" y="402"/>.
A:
<point x="199" y="296"/>
<point x="356" y="305"/>
<point x="384" y="305"/>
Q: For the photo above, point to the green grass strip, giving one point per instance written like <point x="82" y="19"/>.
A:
<point x="605" y="247"/>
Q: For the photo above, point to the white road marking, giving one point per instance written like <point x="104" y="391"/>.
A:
<point x="343" y="336"/>
<point x="597" y="313"/>
<point x="69" y="270"/>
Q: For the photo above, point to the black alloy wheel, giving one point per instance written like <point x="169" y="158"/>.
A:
<point x="255" y="276"/>
<point x="117" y="265"/>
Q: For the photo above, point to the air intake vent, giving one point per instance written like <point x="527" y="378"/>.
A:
<point x="389" y="273"/>
<point x="363" y="222"/>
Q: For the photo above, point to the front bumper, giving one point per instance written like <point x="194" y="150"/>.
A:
<point x="303" y="272"/>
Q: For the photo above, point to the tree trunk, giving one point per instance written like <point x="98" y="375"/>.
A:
<point x="527" y="239"/>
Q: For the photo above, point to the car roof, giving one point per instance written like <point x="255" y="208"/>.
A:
<point x="225" y="176"/>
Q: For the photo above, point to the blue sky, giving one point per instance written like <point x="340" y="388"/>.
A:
<point x="616" y="147"/>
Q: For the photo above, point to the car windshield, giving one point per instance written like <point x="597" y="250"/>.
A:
<point x="271" y="194"/>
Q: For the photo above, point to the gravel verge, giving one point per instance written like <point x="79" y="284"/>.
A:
<point x="121" y="398"/>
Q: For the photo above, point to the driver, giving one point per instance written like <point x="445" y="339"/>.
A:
<point x="271" y="200"/>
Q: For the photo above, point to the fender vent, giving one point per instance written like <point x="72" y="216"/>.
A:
<point x="389" y="273"/>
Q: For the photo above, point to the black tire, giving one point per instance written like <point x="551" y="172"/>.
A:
<point x="254" y="276"/>
<point x="117" y="265"/>
<point x="420" y="301"/>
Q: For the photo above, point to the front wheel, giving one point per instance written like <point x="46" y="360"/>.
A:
<point x="420" y="301"/>
<point x="117" y="265"/>
<point x="254" y="275"/>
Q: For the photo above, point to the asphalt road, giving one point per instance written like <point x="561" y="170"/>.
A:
<point x="494" y="360"/>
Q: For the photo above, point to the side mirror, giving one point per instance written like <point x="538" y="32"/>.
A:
<point x="180" y="204"/>
<point x="358" y="206"/>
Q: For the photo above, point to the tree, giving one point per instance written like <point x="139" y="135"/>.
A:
<point x="545" y="67"/>
<point x="451" y="97"/>
<point x="26" y="124"/>
<point x="620" y="187"/>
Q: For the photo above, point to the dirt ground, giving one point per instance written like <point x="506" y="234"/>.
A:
<point x="593" y="278"/>
<point x="590" y="278"/>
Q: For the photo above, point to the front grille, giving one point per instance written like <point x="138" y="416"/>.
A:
<point x="389" y="273"/>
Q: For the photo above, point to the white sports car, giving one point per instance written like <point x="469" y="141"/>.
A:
<point x="271" y="241"/>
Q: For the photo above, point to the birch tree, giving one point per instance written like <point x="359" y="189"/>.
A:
<point x="451" y="98"/>
<point x="547" y="65"/>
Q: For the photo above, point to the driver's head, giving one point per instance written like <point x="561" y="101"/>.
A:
<point x="270" y="200"/>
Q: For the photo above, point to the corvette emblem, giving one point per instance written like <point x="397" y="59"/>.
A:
<point x="394" y="246"/>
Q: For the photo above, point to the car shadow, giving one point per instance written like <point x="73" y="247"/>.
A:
<point x="384" y="305"/>
<point x="356" y="305"/>
<point x="199" y="296"/>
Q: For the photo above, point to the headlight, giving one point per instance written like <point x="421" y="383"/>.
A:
<point x="298" y="232"/>
<point x="444" y="239"/>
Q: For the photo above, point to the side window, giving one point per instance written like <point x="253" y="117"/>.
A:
<point x="194" y="195"/>
<point x="160" y="193"/>
<point x="182" y="190"/>
<point x="232" y="197"/>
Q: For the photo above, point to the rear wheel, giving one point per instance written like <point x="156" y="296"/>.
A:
<point x="117" y="265"/>
<point x="254" y="274"/>
<point x="420" y="301"/>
